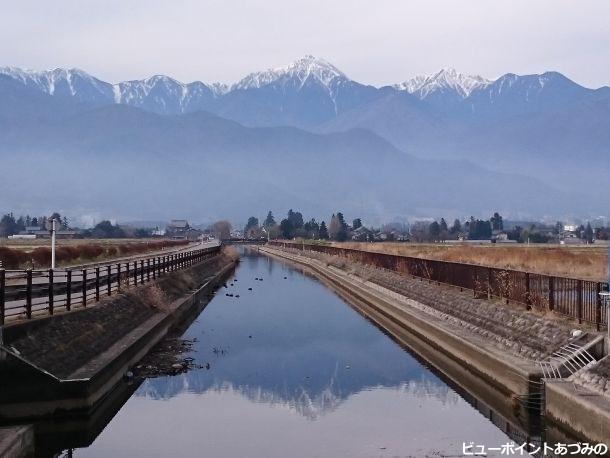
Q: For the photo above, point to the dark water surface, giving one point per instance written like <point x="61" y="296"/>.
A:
<point x="294" y="371"/>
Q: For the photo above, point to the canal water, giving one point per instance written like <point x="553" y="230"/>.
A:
<point x="293" y="371"/>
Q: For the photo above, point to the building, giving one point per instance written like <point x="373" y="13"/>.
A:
<point x="37" y="232"/>
<point x="179" y="229"/>
<point x="362" y="234"/>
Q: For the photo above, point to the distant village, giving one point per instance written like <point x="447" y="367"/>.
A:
<point x="494" y="230"/>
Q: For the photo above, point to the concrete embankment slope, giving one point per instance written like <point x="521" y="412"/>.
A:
<point x="513" y="376"/>
<point x="71" y="361"/>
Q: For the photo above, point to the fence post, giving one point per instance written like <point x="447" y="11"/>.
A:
<point x="118" y="277"/>
<point x="97" y="284"/>
<point x="28" y="294"/>
<point x="551" y="293"/>
<point x="109" y="279"/>
<point x="127" y="274"/>
<point x="598" y="305"/>
<point x="154" y="269"/>
<point x="579" y="301"/>
<point x="148" y="269"/>
<point x="84" y="298"/>
<point x="135" y="273"/>
<point x="68" y="289"/>
<point x="528" y="298"/>
<point x="141" y="271"/>
<point x="2" y="296"/>
<point x="51" y="298"/>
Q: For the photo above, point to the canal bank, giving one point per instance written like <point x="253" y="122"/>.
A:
<point x="516" y="379"/>
<point x="71" y="361"/>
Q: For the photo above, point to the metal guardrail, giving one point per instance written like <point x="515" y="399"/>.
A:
<point x="572" y="297"/>
<point x="28" y="293"/>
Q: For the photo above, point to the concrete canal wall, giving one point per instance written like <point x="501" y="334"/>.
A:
<point x="71" y="361"/>
<point x="578" y="410"/>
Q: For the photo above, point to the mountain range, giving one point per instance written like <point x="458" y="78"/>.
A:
<point x="308" y="136"/>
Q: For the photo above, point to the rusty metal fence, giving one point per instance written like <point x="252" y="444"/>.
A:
<point x="573" y="297"/>
<point x="25" y="294"/>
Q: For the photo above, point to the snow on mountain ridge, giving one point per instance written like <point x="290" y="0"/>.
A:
<point x="445" y="79"/>
<point x="300" y="70"/>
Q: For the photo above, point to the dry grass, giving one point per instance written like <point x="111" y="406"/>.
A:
<point x="587" y="263"/>
<point x="16" y="254"/>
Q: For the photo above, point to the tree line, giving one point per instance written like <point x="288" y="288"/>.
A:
<point x="11" y="225"/>
<point x="295" y="226"/>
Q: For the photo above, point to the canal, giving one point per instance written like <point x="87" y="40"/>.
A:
<point x="293" y="371"/>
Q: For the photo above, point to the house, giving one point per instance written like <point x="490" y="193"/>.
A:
<point x="362" y="234"/>
<point x="38" y="232"/>
<point x="180" y="229"/>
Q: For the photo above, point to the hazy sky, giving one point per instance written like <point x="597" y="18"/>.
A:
<point x="376" y="42"/>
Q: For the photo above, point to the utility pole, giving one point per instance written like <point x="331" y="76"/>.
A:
<point x="53" y="243"/>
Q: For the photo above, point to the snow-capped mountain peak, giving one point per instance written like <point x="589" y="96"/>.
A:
<point x="445" y="79"/>
<point x="65" y="80"/>
<point x="300" y="70"/>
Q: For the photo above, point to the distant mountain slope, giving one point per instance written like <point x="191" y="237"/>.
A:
<point x="126" y="161"/>
<point x="543" y="126"/>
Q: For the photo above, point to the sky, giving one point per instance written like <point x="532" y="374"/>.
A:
<point x="374" y="42"/>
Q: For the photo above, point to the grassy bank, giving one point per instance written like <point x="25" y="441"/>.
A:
<point x="587" y="263"/>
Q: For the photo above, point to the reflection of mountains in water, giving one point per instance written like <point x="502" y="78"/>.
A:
<point x="303" y="398"/>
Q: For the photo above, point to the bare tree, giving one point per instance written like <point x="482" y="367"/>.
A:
<point x="222" y="229"/>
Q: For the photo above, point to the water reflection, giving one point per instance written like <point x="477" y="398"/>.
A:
<point x="293" y="371"/>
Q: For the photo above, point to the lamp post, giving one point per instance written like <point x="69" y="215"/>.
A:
<point x="53" y="243"/>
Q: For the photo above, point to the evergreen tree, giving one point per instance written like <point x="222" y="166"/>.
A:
<point x="251" y="224"/>
<point x="434" y="230"/>
<point x="269" y="221"/>
<point x="588" y="233"/>
<point x="312" y="229"/>
<point x="443" y="225"/>
<point x="286" y="229"/>
<point x="457" y="227"/>
<point x="8" y="225"/>
<point x="356" y="224"/>
<point x="296" y="219"/>
<point x="496" y="222"/>
<point x="323" y="234"/>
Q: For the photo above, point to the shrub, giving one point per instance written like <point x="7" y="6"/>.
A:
<point x="12" y="259"/>
<point x="41" y="256"/>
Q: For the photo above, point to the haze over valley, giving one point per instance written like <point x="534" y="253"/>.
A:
<point x="304" y="135"/>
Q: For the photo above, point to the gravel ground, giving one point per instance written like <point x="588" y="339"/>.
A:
<point x="526" y="334"/>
